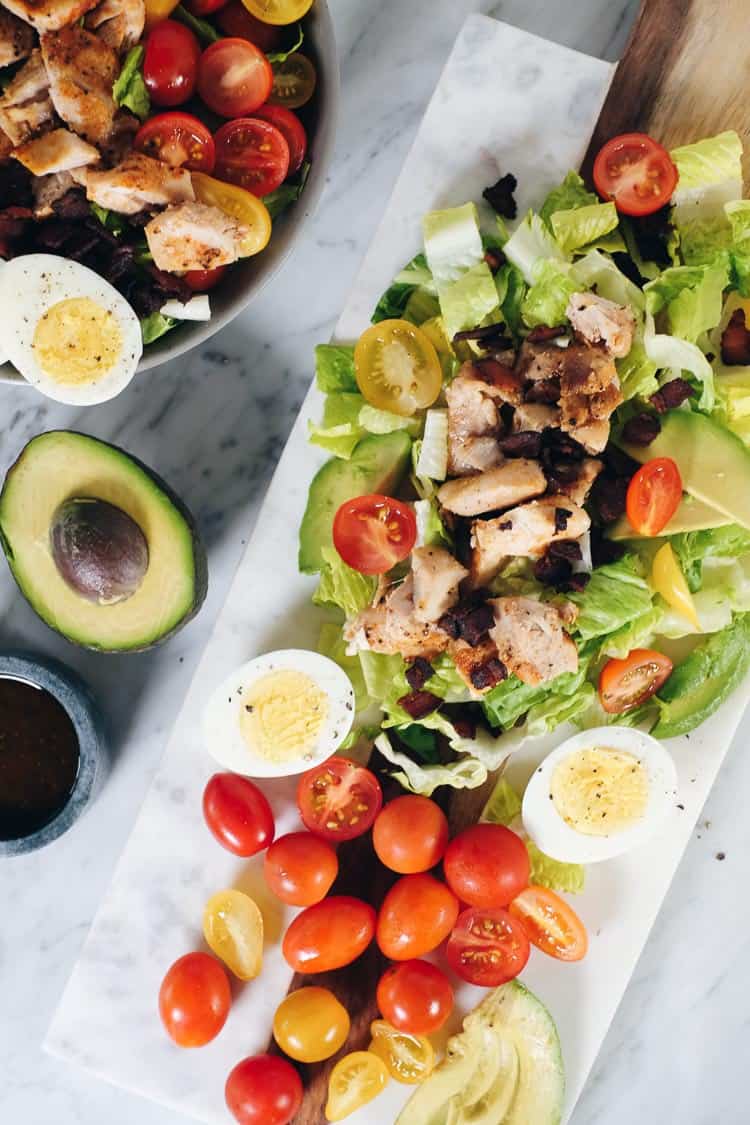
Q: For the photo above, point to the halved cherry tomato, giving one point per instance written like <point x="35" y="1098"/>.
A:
<point x="264" y="1090"/>
<point x="179" y="139"/>
<point x="409" y="1058"/>
<point x="355" y="1080"/>
<point x="170" y="64"/>
<point x="625" y="684"/>
<point x="235" y="21"/>
<point x="415" y="996"/>
<point x="200" y="281"/>
<point x="397" y="367"/>
<point x="234" y="77"/>
<point x="301" y="869"/>
<point x="294" y="81"/>
<point x="487" y="865"/>
<point x="158" y="10"/>
<point x="551" y="925"/>
<point x="241" y="205"/>
<point x="292" y="129"/>
<point x="278" y="11"/>
<point x="410" y="835"/>
<point x="635" y="171"/>
<point x="417" y="914"/>
<point x="252" y="154"/>
<point x="669" y="581"/>
<point x="238" y="814"/>
<point x="654" y="495"/>
<point x="310" y="1025"/>
<point x="203" y="8"/>
<point x="233" y="929"/>
<point x="329" y="935"/>
<point x="373" y="533"/>
<point x="194" y="1000"/>
<point x="487" y="947"/>
<point x="339" y="799"/>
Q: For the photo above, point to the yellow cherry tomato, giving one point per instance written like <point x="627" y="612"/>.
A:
<point x="355" y="1080"/>
<point x="278" y="11"/>
<point x="397" y="367"/>
<point x="242" y="205"/>
<point x="669" y="581"/>
<point x="294" y="81"/>
<point x="158" y="10"/>
<point x="409" y="1058"/>
<point x="233" y="929"/>
<point x="311" y="1025"/>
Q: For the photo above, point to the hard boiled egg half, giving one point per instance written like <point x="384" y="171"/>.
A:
<point x="599" y="794"/>
<point x="67" y="330"/>
<point x="279" y="714"/>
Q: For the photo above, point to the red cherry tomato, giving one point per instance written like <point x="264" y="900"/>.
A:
<point x="238" y="814"/>
<point x="487" y="947"/>
<point x="179" y="139"/>
<point x="654" y="495"/>
<point x="417" y="914"/>
<point x="415" y="997"/>
<point x="234" y="77"/>
<point x="194" y="1000"/>
<point x="372" y="533"/>
<point x="235" y="21"/>
<point x="410" y="835"/>
<point x="338" y="799"/>
<point x="301" y="869"/>
<point x="625" y="684"/>
<point x="252" y="154"/>
<point x="200" y="281"/>
<point x="329" y="935"/>
<point x="635" y="171"/>
<point x="170" y="64"/>
<point x="551" y="925"/>
<point x="292" y="129"/>
<point x="203" y="8"/>
<point x="264" y="1090"/>
<point x="487" y="865"/>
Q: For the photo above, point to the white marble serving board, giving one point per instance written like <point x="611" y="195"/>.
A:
<point x="506" y="101"/>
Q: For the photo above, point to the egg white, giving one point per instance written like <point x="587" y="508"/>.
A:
<point x="557" y="839"/>
<point x="29" y="286"/>
<point x="221" y="717"/>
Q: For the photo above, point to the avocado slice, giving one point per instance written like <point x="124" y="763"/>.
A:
<point x="162" y="593"/>
<point x="692" y="515"/>
<point x="378" y="464"/>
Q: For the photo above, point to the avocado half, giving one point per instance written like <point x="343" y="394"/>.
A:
<point x="62" y="465"/>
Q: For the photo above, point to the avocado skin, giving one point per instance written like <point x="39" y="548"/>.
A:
<point x="200" y="559"/>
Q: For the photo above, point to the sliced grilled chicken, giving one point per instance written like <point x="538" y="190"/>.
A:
<point x="139" y="183"/>
<point x="81" y="72"/>
<point x="193" y="236"/>
<point x="577" y="490"/>
<point x="393" y="627"/>
<point x="598" y="321"/>
<point x="16" y="38"/>
<point x="502" y="487"/>
<point x="49" y="15"/>
<point x="436" y="576"/>
<point x="531" y="640"/>
<point x="589" y="393"/>
<point x="473" y="424"/>
<point x="540" y="361"/>
<point x="58" y="151"/>
<point x="118" y="23"/>
<point x="26" y="107"/>
<point x="536" y="417"/>
<point x="526" y="531"/>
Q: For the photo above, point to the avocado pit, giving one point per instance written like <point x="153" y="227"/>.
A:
<point x="98" y="549"/>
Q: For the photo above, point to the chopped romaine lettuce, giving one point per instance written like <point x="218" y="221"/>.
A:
<point x="340" y="430"/>
<point x="571" y="193"/>
<point x="530" y="244"/>
<point x="638" y="633"/>
<point x="547" y="299"/>
<point x="692" y="297"/>
<point x="431" y="530"/>
<point x="129" y="89"/>
<point x="156" y="325"/>
<point x="433" y="452"/>
<point x="582" y="226"/>
<point x="413" y="280"/>
<point x="598" y="272"/>
<point x="464" y="773"/>
<point x="455" y="256"/>
<point x="680" y="356"/>
<point x="709" y="175"/>
<point x="615" y="596"/>
<point x="341" y="587"/>
<point x="693" y="548"/>
<point x="334" y="368"/>
<point x="510" y="283"/>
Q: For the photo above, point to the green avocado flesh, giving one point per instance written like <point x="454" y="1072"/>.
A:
<point x="59" y="466"/>
<point x="505" y="1068"/>
<point x="692" y="515"/>
<point x="378" y="464"/>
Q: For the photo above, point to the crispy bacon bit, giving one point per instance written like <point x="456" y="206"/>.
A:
<point x="495" y="259"/>
<point x="526" y="443"/>
<point x="552" y="571"/>
<point x="609" y="497"/>
<point x="543" y="390"/>
<point x="577" y="583"/>
<point x="562" y="515"/>
<point x="566" y="549"/>
<point x="735" y="341"/>
<point x="643" y="428"/>
<point x="476" y="625"/>
<point x="499" y="375"/>
<point x="450" y="624"/>
<point x="465" y="728"/>
<point x="672" y="395"/>
<point x="489" y="674"/>
<point x="417" y="704"/>
<point x="500" y="196"/>
<point x="544" y="332"/>
<point x="419" y="673"/>
<point x="487" y="332"/>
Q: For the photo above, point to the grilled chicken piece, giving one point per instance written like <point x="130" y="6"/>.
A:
<point x="49" y="15"/>
<point x="531" y="640"/>
<point x="16" y="38"/>
<point x="436" y="575"/>
<point x="473" y="424"/>
<point x="392" y="627"/>
<point x="118" y="23"/>
<point x="6" y="147"/>
<point x="598" y="321"/>
<point x="193" y="236"/>
<point x="577" y="490"/>
<point x="508" y="484"/>
<point x="26" y="107"/>
<point x="81" y="72"/>
<point x="138" y="183"/>
<point x="472" y="662"/>
<point x="58" y="151"/>
<point x="48" y="189"/>
<point x="526" y="531"/>
<point x="540" y="361"/>
<point x="536" y="417"/>
<point x="589" y="393"/>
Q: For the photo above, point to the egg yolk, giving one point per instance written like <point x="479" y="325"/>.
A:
<point x="281" y="715"/>
<point x="76" y="341"/>
<point x="600" y="791"/>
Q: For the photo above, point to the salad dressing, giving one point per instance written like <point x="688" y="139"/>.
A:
<point x="600" y="791"/>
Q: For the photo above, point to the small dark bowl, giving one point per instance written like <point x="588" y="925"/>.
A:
<point x="74" y="696"/>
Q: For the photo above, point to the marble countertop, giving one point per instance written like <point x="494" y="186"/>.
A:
<point x="214" y="425"/>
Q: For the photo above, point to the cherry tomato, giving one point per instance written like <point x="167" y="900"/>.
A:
<point x="241" y="205"/>
<point x="654" y="495"/>
<point x="294" y="81"/>
<point x="635" y="171"/>
<point x="339" y="799"/>
<point x="355" y="1080"/>
<point x="311" y="1025"/>
<point x="170" y="64"/>
<point x="409" y="1058"/>
<point x="179" y="139"/>
<point x="292" y="129"/>
<point x="203" y="8"/>
<point x="397" y="367"/>
<point x="158" y="10"/>
<point x="235" y="21"/>
<point x="669" y="581"/>
<point x="487" y="947"/>
<point x="417" y="914"/>
<point x="372" y="533"/>
<point x="301" y="869"/>
<point x="252" y="154"/>
<point x="278" y="11"/>
<point x="625" y="684"/>
<point x="200" y="281"/>
<point x="415" y="996"/>
<point x="233" y="929"/>
<point x="194" y="1000"/>
<point x="264" y="1090"/>
<point x="487" y="865"/>
<point x="234" y="77"/>
<point x="410" y="835"/>
<point x="329" y="935"/>
<point x="238" y="814"/>
<point x="551" y="925"/>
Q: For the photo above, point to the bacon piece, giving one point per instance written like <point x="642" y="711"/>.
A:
<point x="735" y="341"/>
<point x="671" y="395"/>
<point x="417" y="704"/>
<point x="641" y="429"/>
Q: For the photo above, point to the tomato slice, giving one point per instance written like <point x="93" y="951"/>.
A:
<point x="397" y="367"/>
<point x="278" y="11"/>
<point x="252" y="154"/>
<point x="636" y="172"/>
<point x="339" y="800"/>
<point x="233" y="929"/>
<point x="294" y="81"/>
<point x="355" y="1080"/>
<point x="409" y="1058"/>
<point x="235" y="21"/>
<point x="179" y="139"/>
<point x="625" y="684"/>
<point x="200" y="281"/>
<point x="488" y="947"/>
<point x="234" y="77"/>
<point x="551" y="925"/>
<point x="241" y="205"/>
<point x="291" y="128"/>
<point x="654" y="495"/>
<point x="170" y="63"/>
<point x="372" y="533"/>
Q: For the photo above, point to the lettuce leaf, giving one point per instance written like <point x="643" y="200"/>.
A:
<point x="334" y="368"/>
<point x="693" y="548"/>
<point x="681" y="356"/>
<point x="725" y="590"/>
<point x="710" y="176"/>
<point x="156" y="325"/>
<point x="530" y="243"/>
<point x="510" y="278"/>
<point x="547" y="705"/>
<point x="289" y="192"/>
<point x="432" y="461"/>
<point x="692" y="297"/>
<point x="571" y="193"/>
<point x="615" y="596"/>
<point x="413" y="281"/>
<point x="582" y="226"/>
<point x="596" y="271"/>
<point x="129" y="89"/>
<point x="455" y="256"/>
<point x="340" y="430"/>
<point x="341" y="587"/>
<point x="464" y="773"/>
<point x="547" y="299"/>
<point x="431" y="531"/>
<point x="637" y="633"/>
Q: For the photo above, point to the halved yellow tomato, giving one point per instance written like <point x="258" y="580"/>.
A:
<point x="669" y="581"/>
<point x="355" y="1080"/>
<point x="409" y="1058"/>
<point x="294" y="81"/>
<point x="397" y="367"/>
<point x="278" y="11"/>
<point x="158" y="10"/>
<point x="233" y="929"/>
<point x="242" y="205"/>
